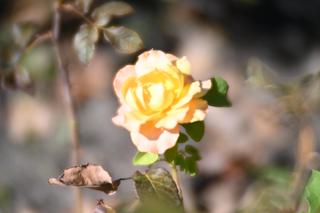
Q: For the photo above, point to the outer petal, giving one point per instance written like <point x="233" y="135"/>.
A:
<point x="172" y="118"/>
<point x="184" y="65"/>
<point x="197" y="111"/>
<point x="121" y="76"/>
<point x="151" y="139"/>
<point x="151" y="60"/>
<point x="188" y="94"/>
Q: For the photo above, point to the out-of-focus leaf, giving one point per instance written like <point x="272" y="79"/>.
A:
<point x="18" y="79"/>
<point x="22" y="33"/>
<point x="101" y="207"/>
<point x="123" y="39"/>
<point x="103" y="14"/>
<point x="157" y="183"/>
<point x="312" y="192"/>
<point x="84" y="5"/>
<point x="144" y="158"/>
<point x="218" y="93"/>
<point x="89" y="176"/>
<point x="195" y="130"/>
<point x="155" y="205"/>
<point x="84" y="42"/>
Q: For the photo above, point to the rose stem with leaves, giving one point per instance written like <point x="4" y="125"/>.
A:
<point x="70" y="106"/>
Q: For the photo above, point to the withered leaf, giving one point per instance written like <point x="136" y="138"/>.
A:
<point x="89" y="176"/>
<point x="157" y="183"/>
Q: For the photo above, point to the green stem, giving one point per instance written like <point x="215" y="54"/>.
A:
<point x="176" y="178"/>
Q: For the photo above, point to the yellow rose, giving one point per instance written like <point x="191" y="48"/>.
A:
<point x="156" y="95"/>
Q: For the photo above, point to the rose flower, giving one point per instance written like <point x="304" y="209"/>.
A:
<point x="156" y="95"/>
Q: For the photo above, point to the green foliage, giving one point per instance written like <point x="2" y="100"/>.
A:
<point x="22" y="33"/>
<point x="193" y="151"/>
<point x="217" y="95"/>
<point x="195" y="130"/>
<point x="157" y="184"/>
<point x="85" y="41"/>
<point x="15" y="75"/>
<point x="144" y="158"/>
<point x="186" y="159"/>
<point x="182" y="138"/>
<point x="312" y="192"/>
<point x="123" y="39"/>
<point x="102" y="15"/>
<point x="270" y="191"/>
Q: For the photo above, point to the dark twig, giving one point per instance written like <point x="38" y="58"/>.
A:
<point x="70" y="106"/>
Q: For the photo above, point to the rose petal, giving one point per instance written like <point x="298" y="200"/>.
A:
<point x="188" y="93"/>
<point x="184" y="65"/>
<point x="152" y="60"/>
<point x="154" y="140"/>
<point x="172" y="118"/>
<point x="121" y="76"/>
<point x="197" y="111"/>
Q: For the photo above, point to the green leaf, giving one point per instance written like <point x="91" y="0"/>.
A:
<point x="217" y="95"/>
<point x="171" y="154"/>
<point x="144" y="158"/>
<point x="84" y="42"/>
<point x="191" y="166"/>
<point x="195" y="130"/>
<point x="123" y="39"/>
<point x="182" y="138"/>
<point x="193" y="151"/>
<point x="84" y="5"/>
<point x="312" y="192"/>
<point x="179" y="160"/>
<point x="103" y="14"/>
<point x="157" y="183"/>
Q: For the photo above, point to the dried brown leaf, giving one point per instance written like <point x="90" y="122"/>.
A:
<point x="89" y="176"/>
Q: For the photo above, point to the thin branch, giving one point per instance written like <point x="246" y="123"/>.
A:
<point x="71" y="8"/>
<point x="70" y="106"/>
<point x="38" y="39"/>
<point x="64" y="75"/>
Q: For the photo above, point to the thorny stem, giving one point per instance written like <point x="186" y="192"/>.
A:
<point x="70" y="106"/>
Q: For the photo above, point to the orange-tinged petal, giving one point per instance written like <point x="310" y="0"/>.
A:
<point x="172" y="118"/>
<point x="188" y="93"/>
<point x="197" y="111"/>
<point x="154" y="140"/>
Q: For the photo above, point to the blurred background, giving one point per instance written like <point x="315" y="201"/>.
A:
<point x="267" y="50"/>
